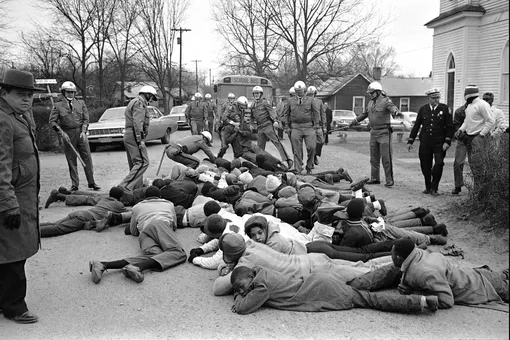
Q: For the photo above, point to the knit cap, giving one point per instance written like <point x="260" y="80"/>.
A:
<point x="272" y="183"/>
<point x="236" y="172"/>
<point x="231" y="179"/>
<point x="236" y="163"/>
<point x="355" y="208"/>
<point x="403" y="247"/>
<point x="470" y="91"/>
<point x="233" y="246"/>
<point x="287" y="192"/>
<point x="307" y="195"/>
<point x="211" y="207"/>
<point x="214" y="225"/>
<point x="246" y="177"/>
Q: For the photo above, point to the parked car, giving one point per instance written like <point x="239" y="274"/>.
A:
<point x="397" y="124"/>
<point x="342" y="118"/>
<point x="409" y="119"/>
<point x="177" y="112"/>
<point x="110" y="128"/>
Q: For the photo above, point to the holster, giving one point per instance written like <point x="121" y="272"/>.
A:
<point x="318" y="149"/>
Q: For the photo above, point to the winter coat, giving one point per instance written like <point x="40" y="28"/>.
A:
<point x="19" y="184"/>
<point x="282" y="244"/>
<point x="252" y="202"/>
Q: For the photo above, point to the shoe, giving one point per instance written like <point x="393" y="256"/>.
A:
<point x="456" y="191"/>
<point x="420" y="212"/>
<point x="434" y="193"/>
<point x="383" y="210"/>
<point x="97" y="269"/>
<point x="426" y="191"/>
<point x="374" y="181"/>
<point x="63" y="190"/>
<point x="94" y="186"/>
<point x="316" y="161"/>
<point x="74" y="188"/>
<point x="52" y="199"/>
<point x="133" y="272"/>
<point x="27" y="317"/>
<point x="440" y="229"/>
<point x="103" y="224"/>
<point x="437" y="239"/>
<point x="428" y="220"/>
<point x="389" y="184"/>
<point x="432" y="303"/>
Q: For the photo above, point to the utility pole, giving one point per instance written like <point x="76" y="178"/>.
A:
<point x="196" y="70"/>
<point x="179" y="42"/>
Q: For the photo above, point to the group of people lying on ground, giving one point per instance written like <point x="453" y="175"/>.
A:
<point x="313" y="242"/>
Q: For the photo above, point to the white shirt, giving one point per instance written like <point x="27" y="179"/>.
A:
<point x="479" y="118"/>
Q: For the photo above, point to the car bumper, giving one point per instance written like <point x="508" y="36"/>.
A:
<point x="102" y="140"/>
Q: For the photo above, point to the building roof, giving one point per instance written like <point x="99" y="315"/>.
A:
<point x="452" y="12"/>
<point x="410" y="87"/>
<point x="335" y="84"/>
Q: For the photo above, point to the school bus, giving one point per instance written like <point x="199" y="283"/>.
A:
<point x="241" y="85"/>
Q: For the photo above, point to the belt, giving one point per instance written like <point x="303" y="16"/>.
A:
<point x="381" y="127"/>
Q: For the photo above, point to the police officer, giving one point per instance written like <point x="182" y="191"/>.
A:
<point x="378" y="112"/>
<point x="279" y="110"/>
<point x="319" y="128"/>
<point x="264" y="115"/>
<point x="299" y="118"/>
<point x="231" y="109"/>
<point x="183" y="150"/>
<point x="70" y="119"/>
<point x="211" y="109"/>
<point x="137" y="124"/>
<point x="436" y="134"/>
<point x="196" y="115"/>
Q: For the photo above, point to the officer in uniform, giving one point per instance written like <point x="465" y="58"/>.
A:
<point x="70" y="119"/>
<point x="183" y="150"/>
<point x="279" y="110"/>
<point x="378" y="112"/>
<point x="137" y="124"/>
<point x="436" y="134"/>
<point x="319" y="128"/>
<point x="265" y="117"/>
<point x="299" y="118"/>
<point x="231" y="109"/>
<point x="196" y="115"/>
<point x="211" y="109"/>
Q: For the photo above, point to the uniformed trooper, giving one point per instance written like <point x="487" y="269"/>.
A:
<point x="378" y="112"/>
<point x="319" y="128"/>
<point x="436" y="133"/>
<point x="183" y="150"/>
<point x="137" y="125"/>
<point x="211" y="109"/>
<point x="299" y="118"/>
<point x="70" y="119"/>
<point x="264" y="115"/>
<point x="196" y="115"/>
<point x="231" y="109"/>
<point x="279" y="110"/>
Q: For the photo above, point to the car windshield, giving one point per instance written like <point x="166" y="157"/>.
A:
<point x="343" y="114"/>
<point x="177" y="110"/>
<point x="113" y="114"/>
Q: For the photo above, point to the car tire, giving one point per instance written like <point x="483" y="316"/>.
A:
<point x="166" y="138"/>
<point x="93" y="147"/>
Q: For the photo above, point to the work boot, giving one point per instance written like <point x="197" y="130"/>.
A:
<point x="428" y="220"/>
<point x="96" y="269"/>
<point x="420" y="212"/>
<point x="426" y="191"/>
<point x="290" y="163"/>
<point x="440" y="229"/>
<point x="103" y="224"/>
<point x="55" y="196"/>
<point x="316" y="160"/>
<point x="25" y="318"/>
<point x="94" y="186"/>
<point x="432" y="303"/>
<point x="359" y="183"/>
<point x="382" y="210"/>
<point x="64" y="191"/>
<point x="434" y="193"/>
<point x="456" y="191"/>
<point x="133" y="272"/>
<point x="74" y="188"/>
<point x="374" y="181"/>
<point x="389" y="184"/>
<point x="437" y="239"/>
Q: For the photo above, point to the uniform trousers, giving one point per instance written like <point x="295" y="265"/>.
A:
<point x="267" y="133"/>
<point x="176" y="154"/>
<point x="298" y="135"/>
<point x="82" y="146"/>
<point x="381" y="148"/>
<point x="197" y="126"/>
<point x="69" y="224"/>
<point x="13" y="288"/>
<point x="431" y="162"/>
<point x="138" y="161"/>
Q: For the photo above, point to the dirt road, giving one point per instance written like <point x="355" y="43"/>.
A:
<point x="178" y="303"/>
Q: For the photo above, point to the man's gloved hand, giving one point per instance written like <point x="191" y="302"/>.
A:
<point x="353" y="122"/>
<point x="83" y="135"/>
<point x="195" y="252"/>
<point x="446" y="146"/>
<point x="409" y="147"/>
<point x="11" y="218"/>
<point x="65" y="137"/>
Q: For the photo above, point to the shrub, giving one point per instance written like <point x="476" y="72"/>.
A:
<point x="491" y="193"/>
<point x="46" y="138"/>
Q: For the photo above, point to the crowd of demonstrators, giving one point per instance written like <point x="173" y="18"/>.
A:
<point x="284" y="238"/>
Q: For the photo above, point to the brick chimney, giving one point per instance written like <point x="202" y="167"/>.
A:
<point x="376" y="71"/>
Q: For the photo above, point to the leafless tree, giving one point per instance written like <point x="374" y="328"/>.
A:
<point x="364" y="57"/>
<point x="44" y="52"/>
<point x="155" y="40"/>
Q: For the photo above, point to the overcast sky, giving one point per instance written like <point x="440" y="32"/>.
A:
<point x="406" y="33"/>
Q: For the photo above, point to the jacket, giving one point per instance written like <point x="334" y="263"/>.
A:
<point x="305" y="112"/>
<point x="62" y="116"/>
<point x="378" y="112"/>
<point x="19" y="183"/>
<point x="196" y="110"/>
<point x="263" y="112"/>
<point x="282" y="244"/>
<point x="150" y="209"/>
<point x="137" y="117"/>
<point x="436" y="125"/>
<point x="195" y="143"/>
<point x="210" y="109"/>
<point x="479" y="118"/>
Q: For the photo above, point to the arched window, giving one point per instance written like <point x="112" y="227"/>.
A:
<point x="505" y="82"/>
<point x="450" y="82"/>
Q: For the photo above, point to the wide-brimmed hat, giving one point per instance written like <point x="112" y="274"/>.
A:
<point x="19" y="79"/>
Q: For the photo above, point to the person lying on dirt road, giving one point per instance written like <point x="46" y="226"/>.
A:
<point x="318" y="292"/>
<point x="154" y="222"/>
<point x="93" y="218"/>
<point x="183" y="150"/>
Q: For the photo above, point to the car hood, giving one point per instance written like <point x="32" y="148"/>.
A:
<point x="117" y="123"/>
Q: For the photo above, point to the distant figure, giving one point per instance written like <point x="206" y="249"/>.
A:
<point x="196" y="115"/>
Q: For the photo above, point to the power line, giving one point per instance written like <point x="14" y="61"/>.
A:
<point x="179" y="42"/>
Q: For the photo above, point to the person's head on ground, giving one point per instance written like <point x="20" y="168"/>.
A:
<point x="152" y="192"/>
<point x="256" y="228"/>
<point x="433" y="95"/>
<point x="241" y="279"/>
<point x="17" y="89"/>
<point x="488" y="97"/>
<point x="233" y="247"/>
<point x="355" y="209"/>
<point x="116" y="192"/>
<point x="211" y="207"/>
<point x="401" y="250"/>
<point x="307" y="196"/>
<point x="214" y="225"/>
<point x="158" y="183"/>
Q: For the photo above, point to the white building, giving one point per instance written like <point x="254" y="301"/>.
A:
<point x="471" y="47"/>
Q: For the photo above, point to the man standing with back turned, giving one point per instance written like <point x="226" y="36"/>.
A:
<point x="19" y="190"/>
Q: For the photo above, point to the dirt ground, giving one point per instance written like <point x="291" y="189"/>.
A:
<point x="178" y="303"/>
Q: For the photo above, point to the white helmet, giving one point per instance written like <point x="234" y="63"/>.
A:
<point x="300" y="88"/>
<point x="68" y="86"/>
<point x="374" y="86"/>
<point x="207" y="96"/>
<point x="257" y="89"/>
<point x="192" y="97"/>
<point x="242" y="100"/>
<point x="198" y="95"/>
<point x="311" y="90"/>
<point x="207" y="136"/>
<point x="292" y="91"/>
<point x="148" y="89"/>
<point x="231" y="96"/>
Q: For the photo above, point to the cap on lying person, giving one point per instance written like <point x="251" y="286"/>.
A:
<point x="246" y="177"/>
<point x="272" y="183"/>
<point x="233" y="246"/>
<point x="214" y="225"/>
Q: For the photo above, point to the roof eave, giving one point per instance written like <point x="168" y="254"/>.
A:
<point x="455" y="14"/>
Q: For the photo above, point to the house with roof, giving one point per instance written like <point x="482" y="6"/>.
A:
<point x="470" y="47"/>
<point x="408" y="94"/>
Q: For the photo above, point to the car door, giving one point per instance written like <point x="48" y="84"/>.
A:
<point x="155" y="129"/>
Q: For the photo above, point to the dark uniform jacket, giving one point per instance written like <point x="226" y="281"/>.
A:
<point x="137" y="117"/>
<point x="306" y="112"/>
<point x="196" y="110"/>
<point x="67" y="119"/>
<point x="378" y="113"/>
<point x="263" y="112"/>
<point x="436" y="125"/>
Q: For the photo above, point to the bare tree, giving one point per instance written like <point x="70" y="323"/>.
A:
<point x="155" y="40"/>
<point x="364" y="57"/>
<point x="45" y="53"/>
<point x="245" y="26"/>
